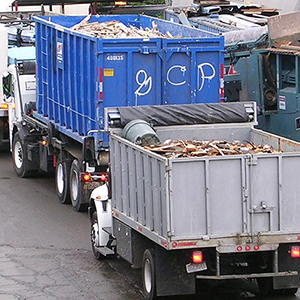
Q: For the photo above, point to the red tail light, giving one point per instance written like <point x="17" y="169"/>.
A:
<point x="103" y="177"/>
<point x="197" y="257"/>
<point x="295" y="251"/>
<point x="86" y="177"/>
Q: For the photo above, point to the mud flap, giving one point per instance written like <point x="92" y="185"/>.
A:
<point x="171" y="275"/>
<point x="287" y="263"/>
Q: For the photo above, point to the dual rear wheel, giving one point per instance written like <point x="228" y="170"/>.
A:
<point x="68" y="185"/>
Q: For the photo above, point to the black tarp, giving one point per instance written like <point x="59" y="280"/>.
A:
<point x="188" y="114"/>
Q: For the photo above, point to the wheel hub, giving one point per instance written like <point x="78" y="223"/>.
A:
<point x="60" y="179"/>
<point x="18" y="157"/>
<point x="147" y="276"/>
<point x="95" y="235"/>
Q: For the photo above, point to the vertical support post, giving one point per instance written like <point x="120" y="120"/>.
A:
<point x="218" y="268"/>
<point x="275" y="261"/>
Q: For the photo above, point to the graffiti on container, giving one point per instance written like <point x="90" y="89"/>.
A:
<point x="202" y="75"/>
<point x="205" y="71"/>
<point x="176" y="76"/>
<point x="144" y="84"/>
<point x="181" y="69"/>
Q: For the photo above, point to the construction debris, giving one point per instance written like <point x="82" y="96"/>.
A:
<point x="116" y="29"/>
<point x="185" y="148"/>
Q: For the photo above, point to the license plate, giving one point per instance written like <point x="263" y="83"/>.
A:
<point x="191" y="268"/>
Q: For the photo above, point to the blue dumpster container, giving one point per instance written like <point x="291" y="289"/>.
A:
<point x="78" y="75"/>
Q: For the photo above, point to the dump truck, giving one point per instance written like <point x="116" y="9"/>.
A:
<point x="210" y="218"/>
<point x="79" y="72"/>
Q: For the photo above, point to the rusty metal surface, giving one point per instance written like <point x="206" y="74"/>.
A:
<point x="284" y="51"/>
<point x="284" y="30"/>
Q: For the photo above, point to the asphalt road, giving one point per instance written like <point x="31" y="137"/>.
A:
<point x="45" y="247"/>
<point x="45" y="250"/>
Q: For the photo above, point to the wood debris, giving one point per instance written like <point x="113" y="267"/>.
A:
<point x="185" y="148"/>
<point x="116" y="29"/>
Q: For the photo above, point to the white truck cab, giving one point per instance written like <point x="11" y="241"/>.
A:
<point x="18" y="84"/>
<point x="3" y="69"/>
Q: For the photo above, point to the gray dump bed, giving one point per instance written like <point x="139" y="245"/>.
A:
<point x="208" y="201"/>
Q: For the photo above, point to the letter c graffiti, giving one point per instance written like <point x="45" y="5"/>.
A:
<point x="182" y="70"/>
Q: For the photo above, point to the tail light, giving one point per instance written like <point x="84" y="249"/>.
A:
<point x="295" y="251"/>
<point x="103" y="177"/>
<point x="87" y="177"/>
<point x="197" y="257"/>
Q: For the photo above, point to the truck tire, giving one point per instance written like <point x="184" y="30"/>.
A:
<point x="75" y="187"/>
<point x="148" y="273"/>
<point x="20" y="161"/>
<point x="62" y="173"/>
<point x="95" y="236"/>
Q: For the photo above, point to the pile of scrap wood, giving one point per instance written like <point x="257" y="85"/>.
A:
<point x="116" y="29"/>
<point x="184" y="148"/>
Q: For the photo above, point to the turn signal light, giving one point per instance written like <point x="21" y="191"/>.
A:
<point x="295" y="251"/>
<point x="4" y="106"/>
<point x="197" y="257"/>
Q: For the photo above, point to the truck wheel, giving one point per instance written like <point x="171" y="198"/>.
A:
<point x="95" y="236"/>
<point x="21" y="163"/>
<point x="75" y="187"/>
<point x="62" y="173"/>
<point x="148" y="271"/>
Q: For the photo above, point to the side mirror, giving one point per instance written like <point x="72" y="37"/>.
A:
<point x="6" y="84"/>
